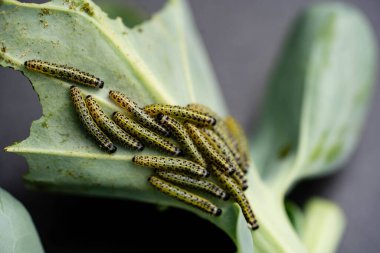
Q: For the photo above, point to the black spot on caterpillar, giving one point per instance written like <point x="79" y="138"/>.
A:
<point x="208" y="150"/>
<point x="181" y="112"/>
<point x="237" y="132"/>
<point x="64" y="72"/>
<point x="180" y="132"/>
<point x="139" y="115"/>
<point x="144" y="134"/>
<point x="237" y="193"/>
<point x="185" y="196"/>
<point x="171" y="163"/>
<point x="193" y="182"/>
<point x="222" y="130"/>
<point x="110" y="127"/>
<point x="224" y="151"/>
<point x="87" y="121"/>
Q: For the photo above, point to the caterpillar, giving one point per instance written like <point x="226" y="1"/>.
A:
<point x="110" y="127"/>
<point x="181" y="112"/>
<point x="170" y="163"/>
<point x="222" y="131"/>
<point x="223" y="150"/>
<point x="208" y="150"/>
<point x="237" y="193"/>
<point x="179" y="131"/>
<point x="88" y="123"/>
<point x="238" y="134"/>
<point x="64" y="72"/>
<point x="139" y="115"/>
<point x="204" y="109"/>
<point x="185" y="196"/>
<point x="145" y="134"/>
<point x="196" y="183"/>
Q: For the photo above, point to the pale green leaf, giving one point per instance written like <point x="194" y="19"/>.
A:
<point x="324" y="226"/>
<point x="17" y="232"/>
<point x="161" y="60"/>
<point x="318" y="96"/>
<point x="296" y="216"/>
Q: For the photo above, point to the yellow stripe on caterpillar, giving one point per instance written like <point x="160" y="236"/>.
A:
<point x="238" y="134"/>
<point x="220" y="128"/>
<point x="224" y="151"/>
<point x="197" y="183"/>
<point x="208" y="150"/>
<point x="185" y="196"/>
<point x="88" y="123"/>
<point x="182" y="113"/>
<point x="138" y="114"/>
<point x="64" y="72"/>
<point x="238" y="195"/>
<point x="170" y="163"/>
<point x="181" y="135"/>
<point x="110" y="127"/>
<point x="144" y="134"/>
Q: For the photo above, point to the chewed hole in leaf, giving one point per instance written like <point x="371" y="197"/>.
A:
<point x="133" y="13"/>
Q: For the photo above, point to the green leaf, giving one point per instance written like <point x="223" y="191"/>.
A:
<point x="318" y="96"/>
<point x="162" y="60"/>
<point x="324" y="226"/>
<point x="18" y="234"/>
<point x="296" y="216"/>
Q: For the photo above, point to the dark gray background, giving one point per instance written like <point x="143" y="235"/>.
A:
<point x="242" y="38"/>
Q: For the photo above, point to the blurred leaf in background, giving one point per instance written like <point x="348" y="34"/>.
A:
<point x="18" y="234"/>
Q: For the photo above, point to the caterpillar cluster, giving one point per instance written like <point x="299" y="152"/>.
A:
<point x="205" y="143"/>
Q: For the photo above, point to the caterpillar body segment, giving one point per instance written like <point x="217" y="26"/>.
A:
<point x="146" y="135"/>
<point x="110" y="127"/>
<point x="64" y="72"/>
<point x="224" y="151"/>
<point x="208" y="150"/>
<point x="197" y="183"/>
<point x="220" y="129"/>
<point x="182" y="113"/>
<point x="204" y="109"/>
<point x="238" y="195"/>
<point x="171" y="163"/>
<point x="181" y="135"/>
<point x="238" y="134"/>
<point x="88" y="123"/>
<point x="185" y="196"/>
<point x="139" y="115"/>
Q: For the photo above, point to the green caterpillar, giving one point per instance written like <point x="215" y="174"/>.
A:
<point x="181" y="112"/>
<point x="170" y="163"/>
<point x="140" y="116"/>
<point x="237" y="193"/>
<point x="185" y="196"/>
<point x="224" y="151"/>
<point x="237" y="132"/>
<point x="88" y="123"/>
<point x="110" y="127"/>
<point x="208" y="150"/>
<point x="145" y="134"/>
<point x="64" y="72"/>
<point x="197" y="183"/>
<point x="179" y="131"/>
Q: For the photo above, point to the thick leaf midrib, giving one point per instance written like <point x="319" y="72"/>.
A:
<point x="65" y="153"/>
